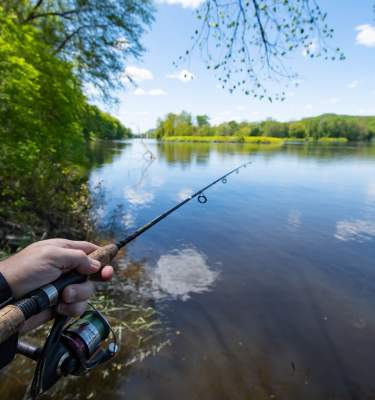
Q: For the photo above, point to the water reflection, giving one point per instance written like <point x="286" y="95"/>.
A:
<point x="358" y="230"/>
<point x="181" y="273"/>
<point x="292" y="315"/>
<point x="138" y="197"/>
<point x="184" y="194"/>
<point x="294" y="220"/>
<point x="185" y="153"/>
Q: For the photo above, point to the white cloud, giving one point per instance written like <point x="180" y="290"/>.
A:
<point x="157" y="92"/>
<point x="184" y="76"/>
<point x="308" y="107"/>
<point x="139" y="92"/>
<point x="183" y="3"/>
<point x="152" y="92"/>
<point x="334" y="100"/>
<point x="358" y="230"/>
<point x="138" y="74"/>
<point x="365" y="35"/>
<point x="354" y="84"/>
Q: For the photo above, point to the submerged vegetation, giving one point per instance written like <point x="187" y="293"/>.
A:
<point x="327" y="128"/>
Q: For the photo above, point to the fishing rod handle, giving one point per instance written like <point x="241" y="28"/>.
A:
<point x="13" y="316"/>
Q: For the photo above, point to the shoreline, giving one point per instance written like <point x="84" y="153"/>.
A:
<point x="268" y="140"/>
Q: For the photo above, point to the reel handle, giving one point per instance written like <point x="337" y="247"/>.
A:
<point x="14" y="315"/>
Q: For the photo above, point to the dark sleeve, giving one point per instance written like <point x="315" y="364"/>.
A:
<point x="9" y="347"/>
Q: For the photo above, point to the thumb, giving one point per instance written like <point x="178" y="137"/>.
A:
<point x="69" y="259"/>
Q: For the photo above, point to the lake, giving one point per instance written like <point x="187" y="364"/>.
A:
<point x="267" y="291"/>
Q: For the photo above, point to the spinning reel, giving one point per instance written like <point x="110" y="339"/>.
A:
<point x="74" y="349"/>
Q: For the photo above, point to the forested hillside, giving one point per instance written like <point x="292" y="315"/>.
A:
<point x="350" y="128"/>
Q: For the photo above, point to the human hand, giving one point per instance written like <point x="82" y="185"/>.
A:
<point x="43" y="262"/>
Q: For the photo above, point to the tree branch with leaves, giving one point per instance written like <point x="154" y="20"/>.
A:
<point x="246" y="42"/>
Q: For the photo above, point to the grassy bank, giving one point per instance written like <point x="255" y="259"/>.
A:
<point x="331" y="140"/>
<point x="225" y="139"/>
<point x="251" y="139"/>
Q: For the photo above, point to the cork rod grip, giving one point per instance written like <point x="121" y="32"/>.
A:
<point x="11" y="320"/>
<point x="105" y="254"/>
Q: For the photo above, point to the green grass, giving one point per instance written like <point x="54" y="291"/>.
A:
<point x="250" y="139"/>
<point x="225" y="139"/>
<point x="332" y="140"/>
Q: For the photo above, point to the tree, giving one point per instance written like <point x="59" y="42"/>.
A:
<point x="96" y="36"/>
<point x="274" y="128"/>
<point x="203" y="120"/>
<point x="245" y="41"/>
<point x="297" y="130"/>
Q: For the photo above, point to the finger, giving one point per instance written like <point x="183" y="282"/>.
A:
<point x="87" y="247"/>
<point x="78" y="292"/>
<point x="68" y="259"/>
<point x="105" y="274"/>
<point x="36" y="320"/>
<point x="72" y="310"/>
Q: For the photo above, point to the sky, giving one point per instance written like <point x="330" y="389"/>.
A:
<point x="342" y="87"/>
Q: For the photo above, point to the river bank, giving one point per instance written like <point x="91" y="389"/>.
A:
<point x="253" y="139"/>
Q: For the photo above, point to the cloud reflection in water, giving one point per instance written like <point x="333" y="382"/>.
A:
<point x="138" y="197"/>
<point x="184" y="194"/>
<point x="359" y="230"/>
<point x="181" y="273"/>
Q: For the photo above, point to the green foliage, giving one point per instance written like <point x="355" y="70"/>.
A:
<point x="96" y="36"/>
<point x="203" y="120"/>
<point x="339" y="128"/>
<point x="98" y="124"/>
<point x="44" y="130"/>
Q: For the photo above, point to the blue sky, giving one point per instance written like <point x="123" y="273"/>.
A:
<point x="340" y="87"/>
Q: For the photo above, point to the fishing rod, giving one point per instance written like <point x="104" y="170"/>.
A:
<point x="75" y="349"/>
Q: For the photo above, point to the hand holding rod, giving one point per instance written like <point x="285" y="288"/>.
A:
<point x="14" y="315"/>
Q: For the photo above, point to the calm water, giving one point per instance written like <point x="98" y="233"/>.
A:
<point x="266" y="292"/>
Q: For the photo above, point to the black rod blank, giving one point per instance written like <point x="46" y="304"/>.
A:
<point x="199" y="194"/>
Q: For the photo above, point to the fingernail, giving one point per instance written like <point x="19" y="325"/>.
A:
<point x="95" y="263"/>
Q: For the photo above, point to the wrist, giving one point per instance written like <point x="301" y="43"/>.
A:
<point x="5" y="291"/>
<point x="7" y="272"/>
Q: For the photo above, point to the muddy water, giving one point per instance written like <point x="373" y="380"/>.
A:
<point x="265" y="292"/>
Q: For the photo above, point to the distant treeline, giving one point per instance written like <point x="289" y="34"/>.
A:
<point x="99" y="124"/>
<point x="351" y="128"/>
